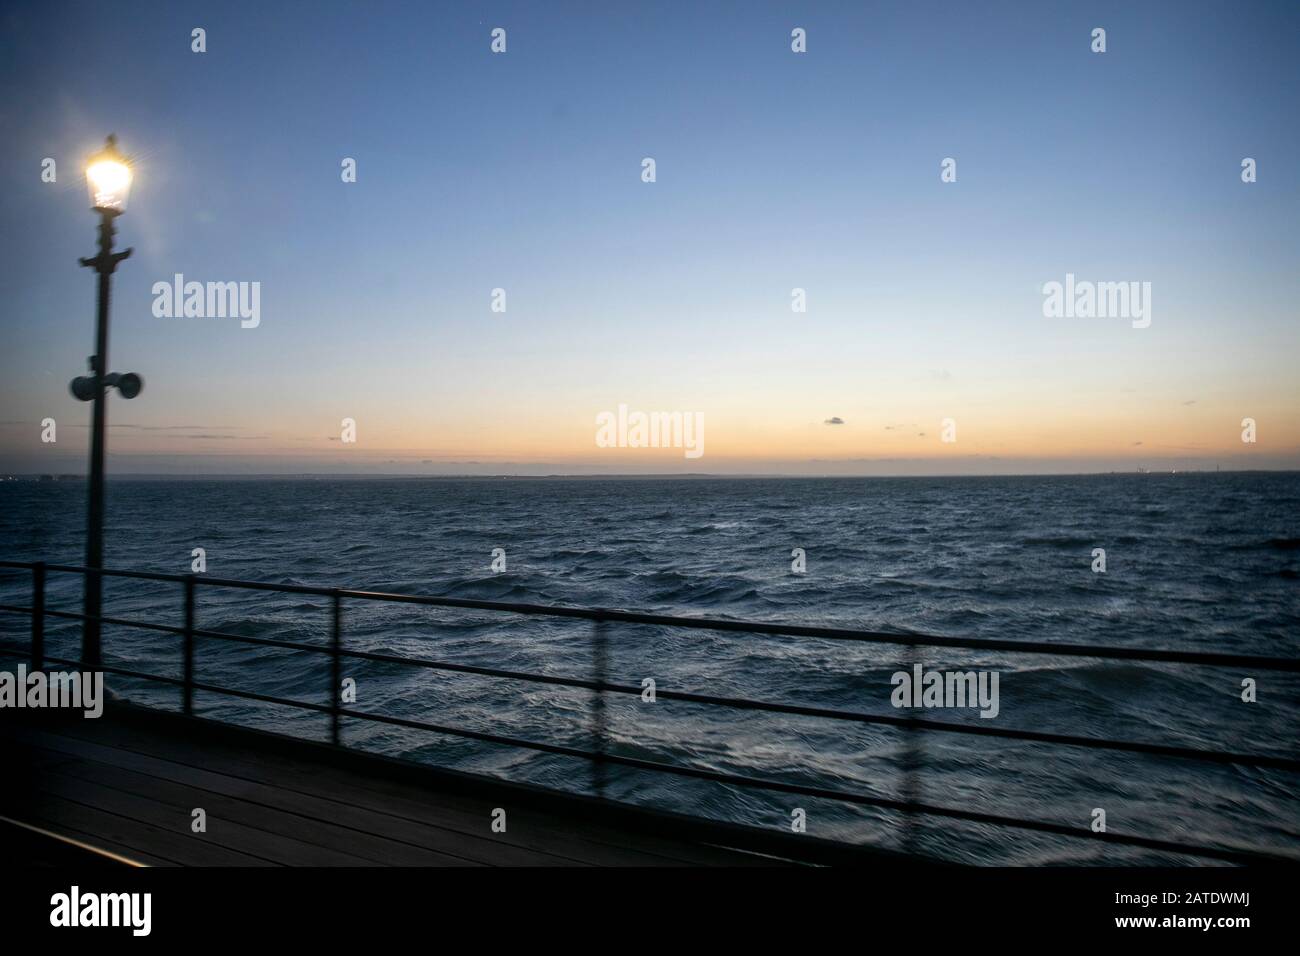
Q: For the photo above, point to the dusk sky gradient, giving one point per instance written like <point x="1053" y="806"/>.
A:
<point x="775" y="171"/>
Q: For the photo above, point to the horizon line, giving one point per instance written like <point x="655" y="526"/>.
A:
<point x="592" y="476"/>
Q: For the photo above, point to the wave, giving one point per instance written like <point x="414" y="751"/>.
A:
<point x="1060" y="541"/>
<point x="1269" y="544"/>
<point x="1213" y="568"/>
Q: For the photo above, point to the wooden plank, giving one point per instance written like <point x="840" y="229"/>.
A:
<point x="135" y="837"/>
<point x="535" y="832"/>
<point x="360" y="847"/>
<point x="221" y="829"/>
<point x="455" y="845"/>
<point x="549" y="833"/>
<point x="41" y="850"/>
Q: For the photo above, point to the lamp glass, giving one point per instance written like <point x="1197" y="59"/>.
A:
<point x="108" y="176"/>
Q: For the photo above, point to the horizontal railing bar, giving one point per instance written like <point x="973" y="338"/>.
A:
<point x="1155" y="655"/>
<point x="171" y="629"/>
<point x="845" y="634"/>
<point x="802" y="710"/>
<point x="178" y="682"/>
<point x="602" y="614"/>
<point x="1241" y="856"/>
<point x="77" y="616"/>
<point x="904" y="806"/>
<point x="1166" y="750"/>
<point x="107" y="669"/>
<point x="176" y="578"/>
<point x="938" y="726"/>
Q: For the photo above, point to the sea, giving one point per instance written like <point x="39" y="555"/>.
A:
<point x="1192" y="561"/>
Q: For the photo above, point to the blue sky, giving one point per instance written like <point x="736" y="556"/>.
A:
<point x="774" y="171"/>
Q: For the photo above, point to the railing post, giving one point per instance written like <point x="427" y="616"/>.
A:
<point x="92" y="650"/>
<point x="911" y="764"/>
<point x="187" y="691"/>
<point x="336" y="666"/>
<point x="38" y="615"/>
<point x="599" y="654"/>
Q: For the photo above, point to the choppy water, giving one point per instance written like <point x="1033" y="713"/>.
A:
<point x="1199" y="561"/>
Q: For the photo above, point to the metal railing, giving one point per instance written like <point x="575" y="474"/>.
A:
<point x="599" y="755"/>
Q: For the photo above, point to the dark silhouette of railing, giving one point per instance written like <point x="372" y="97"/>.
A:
<point x="599" y="756"/>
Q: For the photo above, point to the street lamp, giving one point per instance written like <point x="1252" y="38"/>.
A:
<point x="108" y="176"/>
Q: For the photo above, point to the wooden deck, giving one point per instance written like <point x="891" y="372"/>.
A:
<point x="127" y="783"/>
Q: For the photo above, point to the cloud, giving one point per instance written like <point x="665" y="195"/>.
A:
<point x="229" y="437"/>
<point x="182" y="428"/>
<point x="1192" y="402"/>
<point x="193" y="431"/>
<point x="835" y="420"/>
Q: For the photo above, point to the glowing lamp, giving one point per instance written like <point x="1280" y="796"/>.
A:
<point x="108" y="177"/>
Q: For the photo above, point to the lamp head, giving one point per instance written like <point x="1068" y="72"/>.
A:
<point x="83" y="387"/>
<point x="129" y="384"/>
<point x="108" y="177"/>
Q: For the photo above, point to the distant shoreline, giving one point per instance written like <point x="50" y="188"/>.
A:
<point x="699" y="476"/>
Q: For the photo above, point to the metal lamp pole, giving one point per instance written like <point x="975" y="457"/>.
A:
<point x="109" y="179"/>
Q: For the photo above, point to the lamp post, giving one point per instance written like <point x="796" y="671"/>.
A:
<point x="108" y="175"/>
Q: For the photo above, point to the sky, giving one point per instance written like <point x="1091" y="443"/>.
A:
<point x="774" y="171"/>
